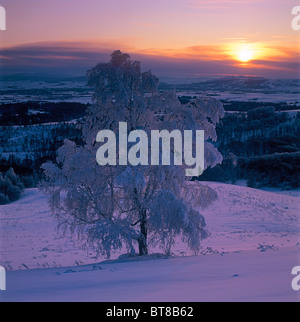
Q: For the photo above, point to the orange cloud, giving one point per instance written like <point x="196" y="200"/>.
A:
<point x="77" y="57"/>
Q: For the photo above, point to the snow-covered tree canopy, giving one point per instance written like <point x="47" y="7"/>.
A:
<point x="124" y="206"/>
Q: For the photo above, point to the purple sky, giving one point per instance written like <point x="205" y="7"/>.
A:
<point x="172" y="37"/>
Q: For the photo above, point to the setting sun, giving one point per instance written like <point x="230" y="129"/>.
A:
<point x="245" y="55"/>
<point x="246" y="52"/>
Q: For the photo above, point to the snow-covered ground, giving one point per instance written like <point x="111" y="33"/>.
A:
<point x="254" y="245"/>
<point x="247" y="276"/>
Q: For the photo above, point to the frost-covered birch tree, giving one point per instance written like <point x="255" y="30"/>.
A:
<point x="113" y="207"/>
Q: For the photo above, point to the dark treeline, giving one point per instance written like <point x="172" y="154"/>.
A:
<point x="43" y="139"/>
<point x="261" y="146"/>
<point x="232" y="106"/>
<point x="11" y="187"/>
<point x="25" y="148"/>
<point x="28" y="113"/>
<point x="237" y="106"/>
<point x="260" y="131"/>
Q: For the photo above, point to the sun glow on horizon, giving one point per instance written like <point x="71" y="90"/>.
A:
<point x="245" y="55"/>
<point x="246" y="52"/>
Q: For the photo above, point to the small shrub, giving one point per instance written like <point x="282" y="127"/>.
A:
<point x="3" y="199"/>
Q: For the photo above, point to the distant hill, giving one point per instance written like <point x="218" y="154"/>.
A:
<point x="40" y="77"/>
<point x="240" y="84"/>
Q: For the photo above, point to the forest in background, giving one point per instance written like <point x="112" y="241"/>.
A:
<point x="260" y="143"/>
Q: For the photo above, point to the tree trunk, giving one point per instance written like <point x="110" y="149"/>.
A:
<point x="143" y="247"/>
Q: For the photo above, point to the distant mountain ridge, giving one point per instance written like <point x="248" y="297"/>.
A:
<point x="39" y="77"/>
<point x="241" y="84"/>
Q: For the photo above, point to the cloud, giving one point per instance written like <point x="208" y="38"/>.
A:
<point x="202" y="4"/>
<point x="75" y="58"/>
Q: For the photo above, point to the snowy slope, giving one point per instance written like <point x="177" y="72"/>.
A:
<point x="254" y="245"/>
<point x="241" y="219"/>
<point x="247" y="276"/>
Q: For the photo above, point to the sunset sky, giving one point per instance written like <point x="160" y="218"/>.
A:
<point x="175" y="38"/>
